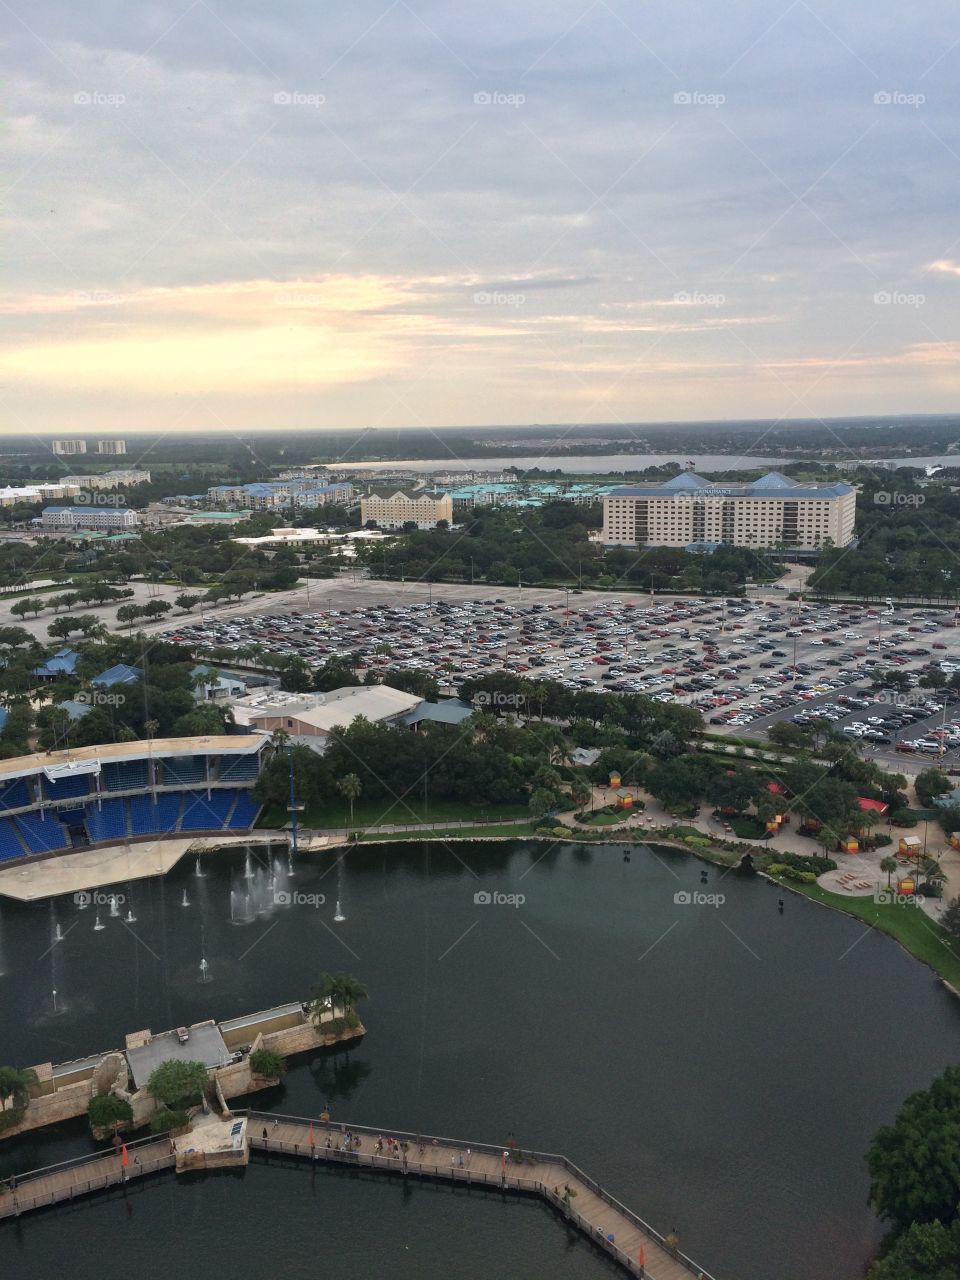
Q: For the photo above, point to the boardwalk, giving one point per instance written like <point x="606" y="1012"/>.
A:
<point x="74" y="1178"/>
<point x="581" y="1201"/>
<point x="575" y="1196"/>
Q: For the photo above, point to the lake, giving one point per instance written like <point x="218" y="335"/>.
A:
<point x="720" y="1068"/>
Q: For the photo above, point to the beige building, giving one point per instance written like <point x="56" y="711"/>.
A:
<point x="112" y="447"/>
<point x="108" y="479"/>
<point x="689" y="511"/>
<point x="66" y="448"/>
<point x="309" y="717"/>
<point x="392" y="508"/>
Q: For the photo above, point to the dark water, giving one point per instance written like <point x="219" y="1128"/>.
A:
<point x="720" y="1069"/>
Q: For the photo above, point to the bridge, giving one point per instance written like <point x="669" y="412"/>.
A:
<point x="638" y="1247"/>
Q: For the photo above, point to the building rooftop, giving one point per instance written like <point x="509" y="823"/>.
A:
<point x="205" y="1045"/>
<point x="325" y="711"/>
<point x="772" y="485"/>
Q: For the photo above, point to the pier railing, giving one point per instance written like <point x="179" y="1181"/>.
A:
<point x="509" y="1178"/>
<point x="83" y="1174"/>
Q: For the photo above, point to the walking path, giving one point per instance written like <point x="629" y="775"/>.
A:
<point x="628" y="1240"/>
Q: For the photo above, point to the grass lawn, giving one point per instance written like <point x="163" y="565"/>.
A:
<point x="921" y="936"/>
<point x="607" y="819"/>
<point x="748" y="828"/>
<point x="335" y="812"/>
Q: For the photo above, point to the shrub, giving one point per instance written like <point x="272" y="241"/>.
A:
<point x="562" y="833"/>
<point x="265" y="1062"/>
<point x="176" y="1083"/>
<point x="106" y="1111"/>
<point x="166" y="1119"/>
<point x="903" y="818"/>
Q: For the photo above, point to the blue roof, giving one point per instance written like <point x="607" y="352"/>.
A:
<point x="120" y="674"/>
<point x="62" y="663"/>
<point x="772" y="485"/>
<point x="75" y="710"/>
<point x="447" y="711"/>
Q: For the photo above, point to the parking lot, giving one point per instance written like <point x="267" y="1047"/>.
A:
<point x="745" y="664"/>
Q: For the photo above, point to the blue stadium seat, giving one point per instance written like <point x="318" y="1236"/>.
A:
<point x="245" y="813"/>
<point x="239" y="768"/>
<point x="11" y="846"/>
<point x="149" y="819"/>
<point x="203" y="813"/>
<point x="106" y="820"/>
<point x="126" y="775"/>
<point x="15" y="795"/>
<point x="183" y="771"/>
<point x="65" y="788"/>
<point x="41" y="833"/>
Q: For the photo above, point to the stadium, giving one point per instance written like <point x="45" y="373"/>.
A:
<point x="122" y="792"/>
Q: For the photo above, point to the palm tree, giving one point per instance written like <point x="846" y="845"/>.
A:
<point x="151" y="727"/>
<point x="336" y="991"/>
<point x="889" y="865"/>
<point x="350" y="787"/>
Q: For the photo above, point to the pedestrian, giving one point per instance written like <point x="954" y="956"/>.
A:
<point x="264" y="1133"/>
<point x="276" y="1123"/>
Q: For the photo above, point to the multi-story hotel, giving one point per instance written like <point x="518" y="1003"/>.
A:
<point x="64" y="519"/>
<point x="689" y="511"/>
<point x="393" y="508"/>
<point x="112" y="447"/>
<point x="66" y="448"/>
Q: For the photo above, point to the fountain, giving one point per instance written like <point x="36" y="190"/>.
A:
<point x="197" y="871"/>
<point x="248" y="867"/>
<point x="204" y="970"/>
<point x="130" y="918"/>
<point x="58" y="934"/>
<point x="54" y="994"/>
<point x="233" y="906"/>
<point x="98" y="925"/>
<point x="290" y="870"/>
<point x="114" y="906"/>
<point x="339" y="917"/>
<point x="184" y="901"/>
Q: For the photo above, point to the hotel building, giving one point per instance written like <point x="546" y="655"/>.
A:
<point x="690" y="512"/>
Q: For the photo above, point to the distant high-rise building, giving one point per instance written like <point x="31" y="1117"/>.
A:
<point x="112" y="447"/>
<point x="66" y="448"/>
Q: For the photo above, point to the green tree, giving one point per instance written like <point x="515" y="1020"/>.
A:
<point x="336" y="991"/>
<point x="265" y="1062"/>
<point x="175" y="1082"/>
<point x="925" y="1251"/>
<point x="888" y="865"/>
<point x="107" y="1111"/>
<point x="914" y="1164"/>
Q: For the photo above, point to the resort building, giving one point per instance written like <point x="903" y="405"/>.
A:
<point x="309" y="718"/>
<point x="691" y="512"/>
<point x="268" y="495"/>
<point x="65" y="519"/>
<point x="108" y="479"/>
<point x="66" y="448"/>
<point x="393" y="508"/>
<point x="112" y="447"/>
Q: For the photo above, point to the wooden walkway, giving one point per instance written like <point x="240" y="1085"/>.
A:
<point x="59" y="1182"/>
<point x="572" y="1194"/>
<point x="620" y="1232"/>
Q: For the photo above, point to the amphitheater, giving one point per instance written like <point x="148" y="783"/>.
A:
<point x="60" y="802"/>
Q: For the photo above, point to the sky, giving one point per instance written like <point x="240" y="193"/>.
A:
<point x="389" y="214"/>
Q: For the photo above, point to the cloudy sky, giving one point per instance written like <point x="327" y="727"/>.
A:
<point x="386" y="213"/>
